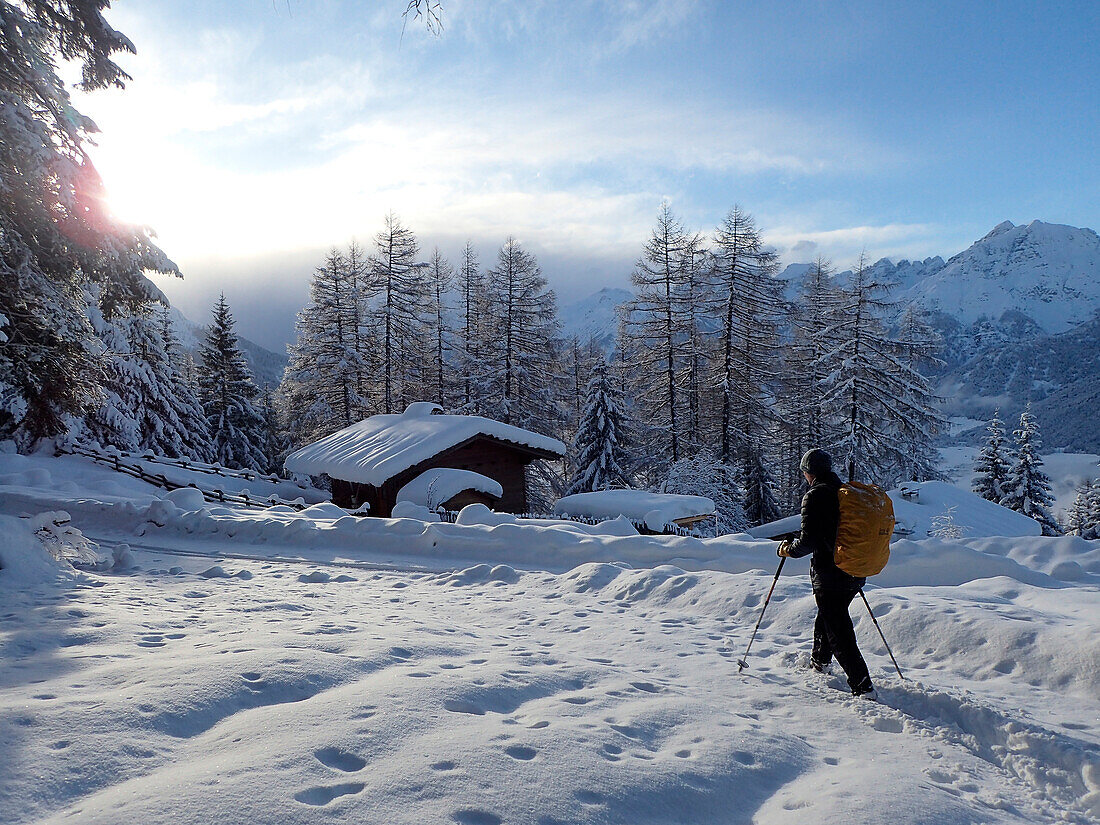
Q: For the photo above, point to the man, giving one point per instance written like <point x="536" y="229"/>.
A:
<point x="833" y="589"/>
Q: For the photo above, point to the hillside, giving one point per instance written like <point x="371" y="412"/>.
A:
<point x="267" y="366"/>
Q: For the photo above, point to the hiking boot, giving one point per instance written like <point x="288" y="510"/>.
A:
<point x="866" y="690"/>
<point x="820" y="667"/>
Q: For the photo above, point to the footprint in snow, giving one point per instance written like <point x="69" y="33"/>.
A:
<point x="322" y="795"/>
<point x="340" y="760"/>
<point x="521" y="752"/>
<point x="473" y="816"/>
<point x="462" y="706"/>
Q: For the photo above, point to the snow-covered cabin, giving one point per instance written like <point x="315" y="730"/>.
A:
<point x="370" y="462"/>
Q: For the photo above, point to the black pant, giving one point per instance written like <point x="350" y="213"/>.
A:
<point x="834" y="635"/>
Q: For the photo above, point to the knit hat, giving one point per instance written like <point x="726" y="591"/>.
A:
<point x="816" y="463"/>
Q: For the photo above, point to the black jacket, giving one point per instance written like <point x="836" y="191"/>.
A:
<point x="820" y="518"/>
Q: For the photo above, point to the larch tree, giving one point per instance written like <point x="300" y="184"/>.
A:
<point x="1028" y="488"/>
<point x="57" y="237"/>
<point x="814" y="317"/>
<point x="440" y="275"/>
<point x="887" y="411"/>
<point x="600" y="456"/>
<point x="653" y="327"/>
<point x="523" y="339"/>
<point x="749" y="301"/>
<point x="471" y="289"/>
<point x="327" y="373"/>
<point x="228" y="395"/>
<point x="991" y="465"/>
<point x="402" y="292"/>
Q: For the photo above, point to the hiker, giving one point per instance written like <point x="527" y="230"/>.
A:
<point x="833" y="589"/>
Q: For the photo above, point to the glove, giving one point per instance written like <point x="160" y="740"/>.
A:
<point x="781" y="551"/>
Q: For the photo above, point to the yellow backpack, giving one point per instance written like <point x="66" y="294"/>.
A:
<point x="866" y="524"/>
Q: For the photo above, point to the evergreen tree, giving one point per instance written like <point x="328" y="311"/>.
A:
<point x="228" y="393"/>
<point x="169" y="416"/>
<point x="327" y="377"/>
<point x="747" y="298"/>
<point x="815" y="316"/>
<point x="1028" y="488"/>
<point x="1092" y="522"/>
<point x="1079" y="512"/>
<point x="402" y="292"/>
<point x="275" y="443"/>
<point x="471" y="287"/>
<point x="113" y="421"/>
<point x="889" y="413"/>
<point x="600" y="457"/>
<point x="705" y="475"/>
<point x="56" y="236"/>
<point x="522" y="346"/>
<point x="188" y="407"/>
<point x="760" y="505"/>
<point x="654" y="326"/>
<point x="440" y="278"/>
<point x="991" y="466"/>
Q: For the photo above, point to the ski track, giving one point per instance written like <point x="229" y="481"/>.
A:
<point x="413" y="697"/>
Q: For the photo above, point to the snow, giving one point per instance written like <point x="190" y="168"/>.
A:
<point x="442" y="484"/>
<point x="915" y="513"/>
<point x="654" y="510"/>
<point x="276" y="666"/>
<point x="1049" y="272"/>
<point x="378" y="448"/>
<point x="918" y="505"/>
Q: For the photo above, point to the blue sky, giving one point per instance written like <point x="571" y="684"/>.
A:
<point x="257" y="134"/>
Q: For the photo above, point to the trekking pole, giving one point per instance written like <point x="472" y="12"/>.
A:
<point x="880" y="633"/>
<point x="741" y="664"/>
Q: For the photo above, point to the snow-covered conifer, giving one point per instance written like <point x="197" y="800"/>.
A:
<point x="991" y="465"/>
<point x="1028" y="488"/>
<point x="747" y="300"/>
<point x="760" y="505"/>
<point x="599" y="455"/>
<point x="228" y="394"/>
<point x="440" y="275"/>
<point x="653" y="323"/>
<point x="521" y="344"/>
<point x="56" y="236"/>
<point x="888" y="415"/>
<point x="402" y="292"/>
<point x="1091" y="528"/>
<point x="704" y="475"/>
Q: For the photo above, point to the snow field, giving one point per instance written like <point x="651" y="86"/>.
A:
<point x="249" y="667"/>
<point x="490" y="695"/>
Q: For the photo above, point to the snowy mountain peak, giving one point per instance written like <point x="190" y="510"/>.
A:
<point x="595" y="316"/>
<point x="1048" y="272"/>
<point x="1003" y="226"/>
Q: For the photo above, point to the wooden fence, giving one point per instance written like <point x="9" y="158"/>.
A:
<point x="114" y="460"/>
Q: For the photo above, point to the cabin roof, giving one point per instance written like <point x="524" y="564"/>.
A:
<point x="382" y="446"/>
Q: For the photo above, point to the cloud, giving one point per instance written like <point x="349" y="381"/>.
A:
<point x="844" y="244"/>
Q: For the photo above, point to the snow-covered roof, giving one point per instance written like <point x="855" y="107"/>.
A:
<point x="918" y="504"/>
<point x="655" y="510"/>
<point x="378" y="448"/>
<point x="441" y="484"/>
